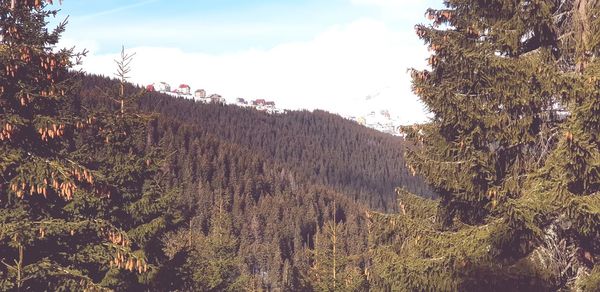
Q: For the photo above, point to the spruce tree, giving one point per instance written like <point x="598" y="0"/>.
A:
<point x="54" y="232"/>
<point x="129" y="169"/>
<point x="38" y="179"/>
<point x="512" y="150"/>
<point x="212" y="260"/>
<point x="333" y="268"/>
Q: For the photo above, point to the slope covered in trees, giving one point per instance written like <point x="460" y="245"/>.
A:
<point x="279" y="212"/>
<point x="269" y="215"/>
<point x="321" y="147"/>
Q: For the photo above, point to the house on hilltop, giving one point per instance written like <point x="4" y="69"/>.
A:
<point x="161" y="87"/>
<point x="200" y="93"/>
<point x="184" y="89"/>
<point x="242" y="102"/>
<point x="215" y="98"/>
<point x="258" y="102"/>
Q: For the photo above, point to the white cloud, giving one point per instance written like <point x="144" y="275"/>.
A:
<point x="334" y="71"/>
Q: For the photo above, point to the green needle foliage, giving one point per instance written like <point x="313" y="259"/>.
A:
<point x="334" y="269"/>
<point x="129" y="168"/>
<point x="38" y="177"/>
<point x="213" y="258"/>
<point x="81" y="197"/>
<point x="512" y="150"/>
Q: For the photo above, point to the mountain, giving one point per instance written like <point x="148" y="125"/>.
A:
<point x="385" y="110"/>
<point x="327" y="149"/>
<point x="381" y="121"/>
<point x="278" y="187"/>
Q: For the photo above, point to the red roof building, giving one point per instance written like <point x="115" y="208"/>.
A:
<point x="259" y="102"/>
<point x="184" y="89"/>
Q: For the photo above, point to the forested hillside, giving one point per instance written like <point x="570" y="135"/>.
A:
<point x="322" y="148"/>
<point x="279" y="180"/>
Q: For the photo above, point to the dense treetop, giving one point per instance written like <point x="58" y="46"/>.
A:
<point x="512" y="150"/>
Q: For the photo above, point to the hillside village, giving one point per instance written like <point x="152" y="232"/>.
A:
<point x="200" y="95"/>
<point x="379" y="120"/>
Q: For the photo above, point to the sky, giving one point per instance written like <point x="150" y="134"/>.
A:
<point x="310" y="54"/>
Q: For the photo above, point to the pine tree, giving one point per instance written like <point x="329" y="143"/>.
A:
<point x="213" y="260"/>
<point x="326" y="269"/>
<point x="512" y="150"/>
<point x="333" y="268"/>
<point x="44" y="242"/>
<point x="130" y="171"/>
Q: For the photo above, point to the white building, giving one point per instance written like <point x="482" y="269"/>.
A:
<point x="161" y="87"/>
<point x="184" y="89"/>
<point x="200" y="93"/>
<point x="215" y="98"/>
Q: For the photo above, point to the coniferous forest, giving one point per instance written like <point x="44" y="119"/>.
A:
<point x="107" y="187"/>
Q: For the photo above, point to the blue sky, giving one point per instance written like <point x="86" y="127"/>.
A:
<point x="302" y="54"/>
<point x="210" y="26"/>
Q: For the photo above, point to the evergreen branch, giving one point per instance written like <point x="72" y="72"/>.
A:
<point x="449" y="162"/>
<point x="546" y="147"/>
<point x="568" y="34"/>
<point x="7" y="265"/>
<point x="61" y="271"/>
<point x="560" y="15"/>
